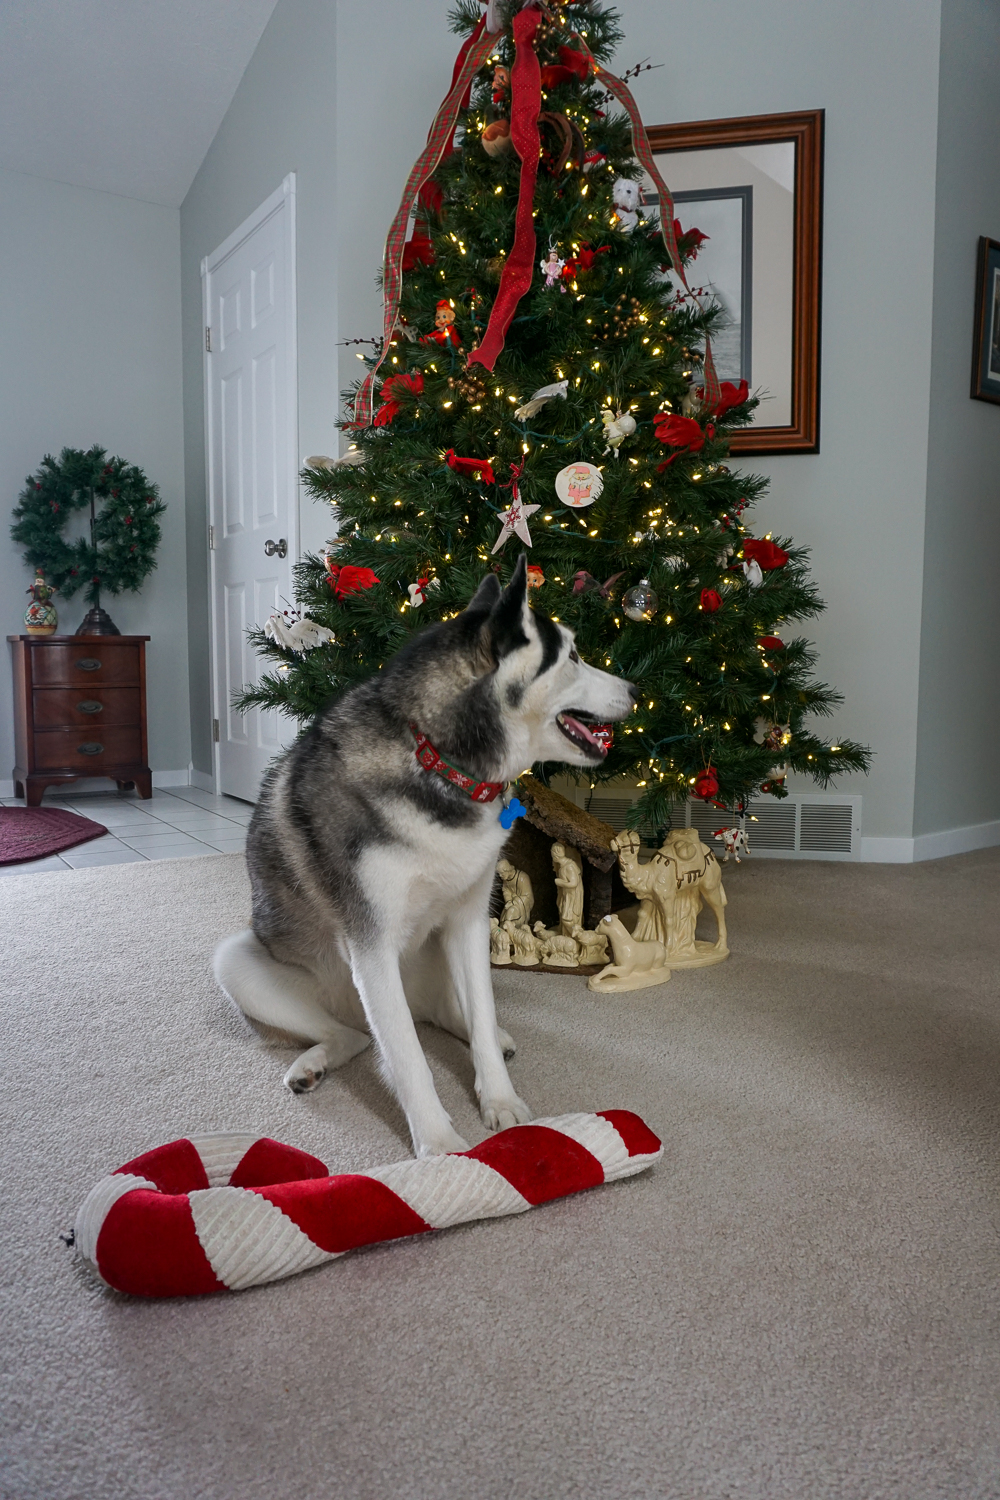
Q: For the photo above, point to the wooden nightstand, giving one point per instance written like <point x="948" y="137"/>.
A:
<point x="79" y="710"/>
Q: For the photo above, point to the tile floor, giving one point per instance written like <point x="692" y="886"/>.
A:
<point x="175" y="824"/>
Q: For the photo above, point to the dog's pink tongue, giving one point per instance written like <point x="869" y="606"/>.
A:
<point x="579" y="728"/>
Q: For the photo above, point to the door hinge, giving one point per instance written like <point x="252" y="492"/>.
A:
<point x="208" y="340"/>
<point x="211" y="539"/>
<point x="215" y="731"/>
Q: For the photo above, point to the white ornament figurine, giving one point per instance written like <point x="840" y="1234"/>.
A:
<point x="626" y="200"/>
<point x="538" y="400"/>
<point x="302" y="636"/>
<point x="617" y="427"/>
<point x="753" y="574"/>
<point x="734" y="840"/>
<point x="552" y="268"/>
<point x="515" y="520"/>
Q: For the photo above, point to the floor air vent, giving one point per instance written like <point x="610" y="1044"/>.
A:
<point x="803" y="825"/>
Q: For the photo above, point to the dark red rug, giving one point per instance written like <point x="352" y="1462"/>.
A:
<point x="33" y="832"/>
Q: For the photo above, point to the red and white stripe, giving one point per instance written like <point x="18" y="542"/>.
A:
<point x="221" y="1212"/>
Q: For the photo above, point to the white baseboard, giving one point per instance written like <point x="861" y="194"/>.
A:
<point x="930" y="845"/>
<point x="172" y="778"/>
<point x="202" y="780"/>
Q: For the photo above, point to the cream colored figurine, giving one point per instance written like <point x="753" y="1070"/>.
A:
<point x="518" y="897"/>
<point x="499" y="943"/>
<point x="682" y="876"/>
<point x="555" y="950"/>
<point x="524" y="944"/>
<point x="568" y="868"/>
<point x="593" y="946"/>
<point x="637" y="965"/>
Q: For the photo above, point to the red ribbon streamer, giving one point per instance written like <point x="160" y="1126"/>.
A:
<point x="640" y="142"/>
<point x="526" y="101"/>
<point x="471" y="57"/>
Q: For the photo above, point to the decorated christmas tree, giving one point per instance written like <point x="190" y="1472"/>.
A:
<point x="545" y="381"/>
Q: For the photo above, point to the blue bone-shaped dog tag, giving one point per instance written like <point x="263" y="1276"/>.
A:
<point x="515" y="809"/>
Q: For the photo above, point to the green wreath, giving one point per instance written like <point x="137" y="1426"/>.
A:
<point x="124" y="533"/>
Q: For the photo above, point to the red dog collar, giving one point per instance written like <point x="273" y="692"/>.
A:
<point x="430" y="760"/>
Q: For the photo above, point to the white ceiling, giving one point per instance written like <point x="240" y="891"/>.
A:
<point x="121" y="95"/>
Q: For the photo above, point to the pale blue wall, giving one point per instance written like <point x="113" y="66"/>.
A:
<point x="90" y="334"/>
<point x="958" y="727"/>
<point x="859" y="502"/>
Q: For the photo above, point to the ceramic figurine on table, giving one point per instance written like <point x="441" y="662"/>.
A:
<point x="637" y="965"/>
<point x="40" y="617"/>
<point x="568" y="866"/>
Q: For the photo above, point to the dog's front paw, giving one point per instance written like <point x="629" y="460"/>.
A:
<point x="440" y="1143"/>
<point x="501" y="1113"/>
<point x="308" y="1071"/>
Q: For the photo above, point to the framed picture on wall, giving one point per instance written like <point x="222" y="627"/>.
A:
<point x="986" y="342"/>
<point x="754" y="187"/>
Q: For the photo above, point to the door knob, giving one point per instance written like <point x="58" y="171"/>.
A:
<point x="280" y="547"/>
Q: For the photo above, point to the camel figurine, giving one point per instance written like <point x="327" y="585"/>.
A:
<point x="637" y="964"/>
<point x="672" y="887"/>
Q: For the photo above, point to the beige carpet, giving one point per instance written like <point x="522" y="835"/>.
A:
<point x="800" y="1302"/>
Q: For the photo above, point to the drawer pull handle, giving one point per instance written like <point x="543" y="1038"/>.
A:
<point x="89" y="664"/>
<point x="90" y="748"/>
<point x="90" y="706"/>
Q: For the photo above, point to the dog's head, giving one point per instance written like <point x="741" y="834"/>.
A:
<point x="546" y="696"/>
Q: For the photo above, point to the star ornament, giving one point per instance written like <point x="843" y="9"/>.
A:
<point x="515" y="520"/>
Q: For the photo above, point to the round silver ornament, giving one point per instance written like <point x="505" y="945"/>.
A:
<point x="640" y="602"/>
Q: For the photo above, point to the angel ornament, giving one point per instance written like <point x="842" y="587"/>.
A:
<point x="617" y="427"/>
<point x="552" y="268"/>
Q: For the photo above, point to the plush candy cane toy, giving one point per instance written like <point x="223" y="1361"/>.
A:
<point x="221" y="1212"/>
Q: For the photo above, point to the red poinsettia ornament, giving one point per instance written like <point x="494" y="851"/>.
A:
<point x="396" y="387"/>
<point x="732" y="395"/>
<point x="682" y="433"/>
<point x="766" y="554"/>
<point x="349" y="579"/>
<point x="706" y="784"/>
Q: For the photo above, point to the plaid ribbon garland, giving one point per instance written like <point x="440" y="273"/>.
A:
<point x="640" y="142"/>
<point x="471" y="57"/>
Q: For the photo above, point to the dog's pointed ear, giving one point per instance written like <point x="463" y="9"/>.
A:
<point x="485" y="597"/>
<point x="507" y="617"/>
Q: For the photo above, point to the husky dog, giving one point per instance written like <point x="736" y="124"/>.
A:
<point x="371" y="875"/>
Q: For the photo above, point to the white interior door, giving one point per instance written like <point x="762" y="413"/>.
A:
<point x="250" y="384"/>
